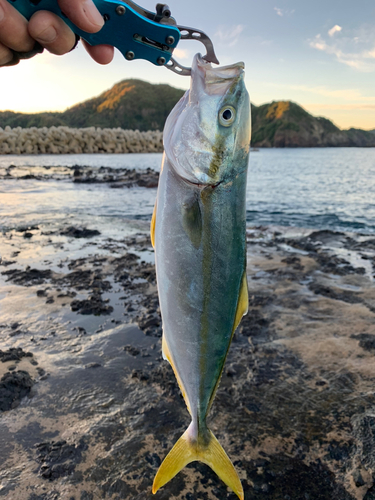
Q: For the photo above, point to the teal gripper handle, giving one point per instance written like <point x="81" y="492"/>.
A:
<point x="135" y="36"/>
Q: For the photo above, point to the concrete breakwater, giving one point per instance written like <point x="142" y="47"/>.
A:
<point x="66" y="140"/>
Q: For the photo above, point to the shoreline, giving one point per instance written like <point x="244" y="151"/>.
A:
<point x="96" y="140"/>
<point x="91" y="408"/>
<point x="67" y="140"/>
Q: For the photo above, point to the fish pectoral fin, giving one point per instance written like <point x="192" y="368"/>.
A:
<point x="152" y="228"/>
<point x="243" y="302"/>
<point x="192" y="220"/>
<point x="211" y="453"/>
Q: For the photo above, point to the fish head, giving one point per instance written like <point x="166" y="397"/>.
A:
<point x="207" y="134"/>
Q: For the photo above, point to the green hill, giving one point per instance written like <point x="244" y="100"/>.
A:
<point x="135" y="104"/>
<point x="286" y="124"/>
<point x="130" y="104"/>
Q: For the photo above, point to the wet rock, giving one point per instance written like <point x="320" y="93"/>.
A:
<point x="51" y="495"/>
<point x="13" y="387"/>
<point x="76" y="232"/>
<point x="133" y="351"/>
<point x="358" y="479"/>
<point x="325" y="236"/>
<point x="59" y="459"/>
<point x="259" y="300"/>
<point x="149" y="320"/>
<point x="287" y="477"/>
<point x="140" y="375"/>
<point x="28" y="277"/>
<point x="86" y="496"/>
<point x="93" y="305"/>
<point x="366" y="341"/>
<point x="14" y="354"/>
<point x="343" y="295"/>
<point x="93" y="365"/>
<point x="256" y="326"/>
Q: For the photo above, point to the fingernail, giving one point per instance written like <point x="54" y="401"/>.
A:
<point x="92" y="14"/>
<point x="2" y="14"/>
<point x="48" y="35"/>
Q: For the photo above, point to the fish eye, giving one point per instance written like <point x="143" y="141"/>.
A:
<point x="227" y="116"/>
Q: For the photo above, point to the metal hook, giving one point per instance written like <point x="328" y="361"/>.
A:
<point x="200" y="36"/>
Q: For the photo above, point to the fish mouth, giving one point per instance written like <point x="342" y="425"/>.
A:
<point x="213" y="80"/>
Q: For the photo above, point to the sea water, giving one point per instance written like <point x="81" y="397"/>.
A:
<point x="323" y="188"/>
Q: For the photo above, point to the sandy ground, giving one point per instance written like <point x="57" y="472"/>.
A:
<point x="88" y="408"/>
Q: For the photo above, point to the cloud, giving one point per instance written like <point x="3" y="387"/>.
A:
<point x="335" y="29"/>
<point x="181" y="54"/>
<point x="342" y="94"/>
<point x="283" y="12"/>
<point x="229" y="35"/>
<point x="352" y="95"/>
<point x="356" y="49"/>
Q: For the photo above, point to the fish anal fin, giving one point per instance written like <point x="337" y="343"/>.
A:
<point x="243" y="302"/>
<point x="188" y="450"/>
<point x="152" y="228"/>
<point x="168" y="357"/>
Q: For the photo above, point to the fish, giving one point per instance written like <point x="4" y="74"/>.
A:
<point x="198" y="231"/>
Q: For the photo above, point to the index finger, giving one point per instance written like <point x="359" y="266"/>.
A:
<point x="83" y="14"/>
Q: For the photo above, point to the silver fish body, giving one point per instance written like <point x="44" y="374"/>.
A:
<point x="199" y="234"/>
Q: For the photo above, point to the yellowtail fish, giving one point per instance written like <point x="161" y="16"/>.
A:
<point x="198" y="232"/>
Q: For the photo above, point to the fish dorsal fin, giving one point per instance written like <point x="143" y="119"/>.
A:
<point x="243" y="302"/>
<point x="192" y="220"/>
<point x="152" y="229"/>
<point x="167" y="356"/>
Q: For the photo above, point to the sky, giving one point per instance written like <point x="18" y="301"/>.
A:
<point x="319" y="54"/>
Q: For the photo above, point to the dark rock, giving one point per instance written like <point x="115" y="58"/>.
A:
<point x="93" y="305"/>
<point x="28" y="277"/>
<point x="366" y="341"/>
<point x="86" y="496"/>
<point x="358" y="479"/>
<point x="59" y="459"/>
<point x="133" y="351"/>
<point x="51" y="495"/>
<point x="13" y="387"/>
<point x="76" y="232"/>
<point x="14" y="354"/>
<point x="140" y="375"/>
<point x="345" y="296"/>
<point x="93" y="365"/>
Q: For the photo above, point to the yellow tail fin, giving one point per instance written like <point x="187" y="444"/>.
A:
<point x="187" y="450"/>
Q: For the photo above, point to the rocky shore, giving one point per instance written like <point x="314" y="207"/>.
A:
<point x="89" y="409"/>
<point x="113" y="177"/>
<point x="66" y="140"/>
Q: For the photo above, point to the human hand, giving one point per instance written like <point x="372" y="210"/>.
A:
<point x="16" y="34"/>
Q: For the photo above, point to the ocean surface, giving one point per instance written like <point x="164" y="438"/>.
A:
<point x="328" y="188"/>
